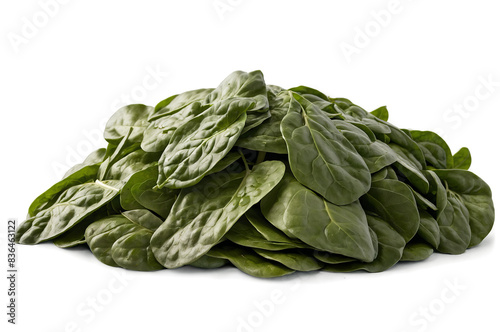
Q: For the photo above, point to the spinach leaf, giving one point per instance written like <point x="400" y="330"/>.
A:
<point x="267" y="136"/>
<point x="244" y="85"/>
<point x="320" y="157"/>
<point x="197" y="146"/>
<point x="436" y="152"/>
<point x="204" y="213"/>
<point x="462" y="159"/>
<point x="160" y="131"/>
<point x="382" y="113"/>
<point x="475" y="195"/>
<point x="302" y="214"/>
<point x="293" y="259"/>
<point x="429" y="229"/>
<point x="416" y="251"/>
<point x="124" y="240"/>
<point x="70" y="208"/>
<point x="176" y="103"/>
<point x="245" y="234"/>
<point x="376" y="154"/>
<point x="130" y="117"/>
<point x="394" y="202"/>
<point x="94" y="158"/>
<point x="207" y="262"/>
<point x="390" y="249"/>
<point x="139" y="192"/>
<point x="250" y="262"/>
<point x="85" y="174"/>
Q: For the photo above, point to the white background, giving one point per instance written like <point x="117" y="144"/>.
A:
<point x="66" y="74"/>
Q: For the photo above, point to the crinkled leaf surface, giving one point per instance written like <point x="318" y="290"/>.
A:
<point x="133" y="117"/>
<point x="124" y="240"/>
<point x="267" y="136"/>
<point x="245" y="85"/>
<point x="85" y="174"/>
<point x="70" y="208"/>
<point x="197" y="146"/>
<point x="202" y="214"/>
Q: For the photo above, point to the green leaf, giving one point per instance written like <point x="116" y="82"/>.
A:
<point x="476" y="196"/>
<point x="436" y="152"/>
<point x="293" y="259"/>
<point x="250" y="262"/>
<point x="245" y="234"/>
<point x="70" y="208"/>
<point x="382" y="113"/>
<point x="207" y="262"/>
<point x="267" y="136"/>
<point x="225" y="162"/>
<point x="204" y="213"/>
<point x="139" y="192"/>
<point x="429" y="229"/>
<point x="94" y="158"/>
<point x="144" y="218"/>
<point x="376" y="154"/>
<point x="160" y="131"/>
<point x="129" y="165"/>
<point x="410" y="167"/>
<point x="268" y="231"/>
<point x="330" y="258"/>
<point x="302" y="214"/>
<point x="255" y="119"/>
<point x="83" y="175"/>
<point x="176" y="103"/>
<point x="394" y="202"/>
<point x="416" y="251"/>
<point x="390" y="249"/>
<point x="454" y="226"/>
<point x="117" y="241"/>
<point x="320" y="157"/>
<point x="462" y="159"/>
<point x="197" y="146"/>
<point x="133" y="117"/>
<point x="244" y="85"/>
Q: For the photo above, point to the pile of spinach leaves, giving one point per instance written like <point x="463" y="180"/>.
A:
<point x="269" y="180"/>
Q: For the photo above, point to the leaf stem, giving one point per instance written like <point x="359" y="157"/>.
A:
<point x="244" y="160"/>
<point x="260" y="157"/>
